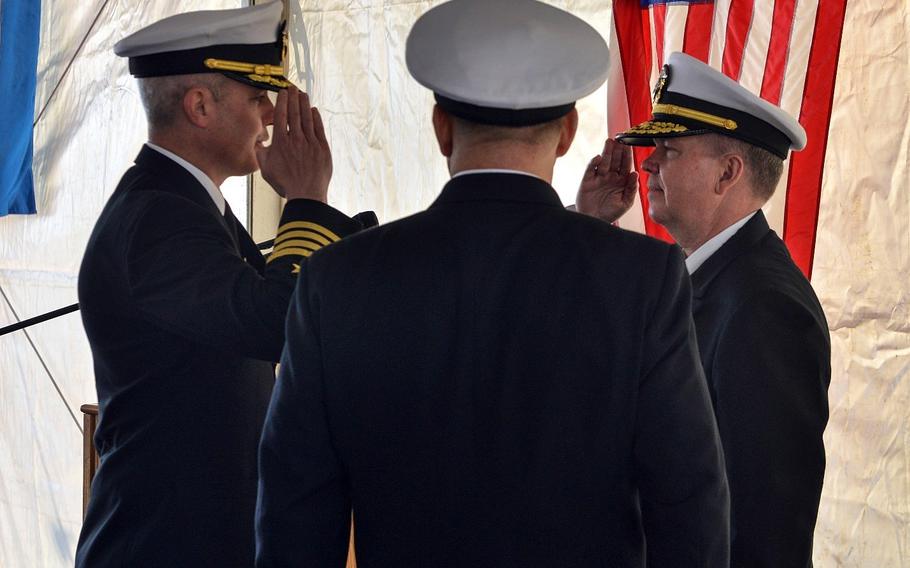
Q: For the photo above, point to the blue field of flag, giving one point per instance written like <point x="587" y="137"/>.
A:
<point x="20" y="24"/>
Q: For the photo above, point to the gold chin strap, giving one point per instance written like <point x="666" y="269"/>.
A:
<point x="261" y="73"/>
<point x="698" y="115"/>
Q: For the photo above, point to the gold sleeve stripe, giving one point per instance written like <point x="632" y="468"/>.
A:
<point x="309" y="235"/>
<point x="311" y="226"/>
<point x="288" y="252"/>
<point x="312" y="247"/>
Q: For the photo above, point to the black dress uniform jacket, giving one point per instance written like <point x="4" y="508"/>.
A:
<point x="505" y="384"/>
<point x="184" y="319"/>
<point x="765" y="348"/>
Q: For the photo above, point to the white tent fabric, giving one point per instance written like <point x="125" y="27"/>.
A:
<point x="378" y="119"/>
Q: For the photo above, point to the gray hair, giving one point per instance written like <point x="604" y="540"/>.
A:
<point x="162" y="97"/>
<point x="763" y="168"/>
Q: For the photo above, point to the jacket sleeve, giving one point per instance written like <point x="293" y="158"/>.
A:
<point x="303" y="513"/>
<point x="771" y="373"/>
<point x="185" y="275"/>
<point x="679" y="461"/>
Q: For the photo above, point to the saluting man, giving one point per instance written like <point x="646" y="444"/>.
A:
<point x="762" y="334"/>
<point x="507" y="383"/>
<point x="183" y="314"/>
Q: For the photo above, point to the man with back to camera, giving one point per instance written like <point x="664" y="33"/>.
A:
<point x="505" y="409"/>
<point x="183" y="314"/>
<point x="762" y="334"/>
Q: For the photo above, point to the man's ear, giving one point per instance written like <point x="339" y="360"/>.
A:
<point x="442" y="125"/>
<point x="732" y="173"/>
<point x="199" y="106"/>
<point x="567" y="129"/>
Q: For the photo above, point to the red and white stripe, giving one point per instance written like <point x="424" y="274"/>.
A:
<point x="784" y="50"/>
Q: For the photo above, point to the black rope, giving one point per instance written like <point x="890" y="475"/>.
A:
<point x="43" y="364"/>
<point x="69" y="65"/>
<point x="38" y="319"/>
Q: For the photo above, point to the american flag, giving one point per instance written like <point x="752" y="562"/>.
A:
<point x="784" y="50"/>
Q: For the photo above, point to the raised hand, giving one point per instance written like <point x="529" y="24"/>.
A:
<point x="298" y="163"/>
<point x="609" y="185"/>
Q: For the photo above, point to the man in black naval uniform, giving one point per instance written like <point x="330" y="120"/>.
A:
<point x="183" y="314"/>
<point x="507" y="383"/>
<point x="762" y="334"/>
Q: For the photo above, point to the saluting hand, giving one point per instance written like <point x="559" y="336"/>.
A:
<point x="609" y="185"/>
<point x="298" y="163"/>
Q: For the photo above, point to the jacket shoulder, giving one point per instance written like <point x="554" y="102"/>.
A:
<point x="609" y="242"/>
<point x="765" y="277"/>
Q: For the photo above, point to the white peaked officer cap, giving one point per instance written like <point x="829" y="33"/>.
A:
<point x="245" y="44"/>
<point x="506" y="62"/>
<point x="693" y="98"/>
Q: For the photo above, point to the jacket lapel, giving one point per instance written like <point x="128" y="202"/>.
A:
<point x="744" y="240"/>
<point x="178" y="180"/>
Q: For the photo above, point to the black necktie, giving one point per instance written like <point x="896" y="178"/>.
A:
<point x="232" y="223"/>
<point x="242" y="241"/>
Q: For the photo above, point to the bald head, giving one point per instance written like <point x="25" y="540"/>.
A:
<point x="473" y="133"/>
<point x="532" y="149"/>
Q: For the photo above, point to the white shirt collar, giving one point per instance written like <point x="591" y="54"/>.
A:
<point x="704" y="252"/>
<point x="495" y="171"/>
<point x="200" y="176"/>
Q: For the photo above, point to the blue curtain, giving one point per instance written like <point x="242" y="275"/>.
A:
<point x="20" y="24"/>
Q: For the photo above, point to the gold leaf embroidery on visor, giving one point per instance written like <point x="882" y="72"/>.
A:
<point x="656" y="128"/>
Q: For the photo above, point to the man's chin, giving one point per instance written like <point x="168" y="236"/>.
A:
<point x="656" y="198"/>
<point x="251" y="165"/>
<point x="657" y="214"/>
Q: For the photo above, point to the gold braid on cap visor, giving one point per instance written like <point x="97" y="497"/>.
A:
<point x="698" y="115"/>
<point x="656" y="127"/>
<point x="261" y="73"/>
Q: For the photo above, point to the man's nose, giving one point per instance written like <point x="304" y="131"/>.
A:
<point x="649" y="164"/>
<point x="268" y="113"/>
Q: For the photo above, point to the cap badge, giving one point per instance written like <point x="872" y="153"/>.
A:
<point x="284" y="43"/>
<point x="661" y="83"/>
